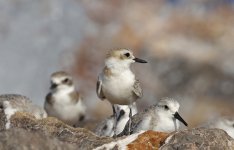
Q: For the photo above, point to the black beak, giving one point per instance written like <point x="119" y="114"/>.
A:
<point x="177" y="116"/>
<point x="139" y="60"/>
<point x="53" y="86"/>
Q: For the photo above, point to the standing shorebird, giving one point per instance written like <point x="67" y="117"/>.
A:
<point x="117" y="83"/>
<point x="160" y="117"/>
<point x="63" y="101"/>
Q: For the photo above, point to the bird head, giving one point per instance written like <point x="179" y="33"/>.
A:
<point x="61" y="81"/>
<point x="122" y="58"/>
<point x="170" y="107"/>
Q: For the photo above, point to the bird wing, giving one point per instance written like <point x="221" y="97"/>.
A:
<point x="136" y="120"/>
<point x="49" y="99"/>
<point x="99" y="89"/>
<point x="105" y="127"/>
<point x="137" y="90"/>
<point x="75" y="97"/>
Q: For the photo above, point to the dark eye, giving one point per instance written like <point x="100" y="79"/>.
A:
<point x="65" y="80"/>
<point x="166" y="107"/>
<point x="127" y="54"/>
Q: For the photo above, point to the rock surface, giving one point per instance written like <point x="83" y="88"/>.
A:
<point x="82" y="138"/>
<point x="24" y="140"/>
<point x="19" y="112"/>
<point x="28" y="131"/>
<point x="148" y="140"/>
<point x="199" y="138"/>
<point x="2" y="120"/>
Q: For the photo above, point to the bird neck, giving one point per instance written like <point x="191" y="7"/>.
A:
<point x="117" y="65"/>
<point x="162" y="115"/>
<point x="64" y="90"/>
<point x="166" y="123"/>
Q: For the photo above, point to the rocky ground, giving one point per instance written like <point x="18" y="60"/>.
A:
<point x="23" y="129"/>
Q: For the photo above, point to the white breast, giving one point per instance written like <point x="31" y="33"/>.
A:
<point x="65" y="109"/>
<point x="118" y="88"/>
<point x="165" y="124"/>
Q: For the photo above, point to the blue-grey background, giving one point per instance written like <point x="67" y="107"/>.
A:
<point x="36" y="38"/>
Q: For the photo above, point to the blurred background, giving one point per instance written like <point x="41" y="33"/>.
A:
<point x="189" y="46"/>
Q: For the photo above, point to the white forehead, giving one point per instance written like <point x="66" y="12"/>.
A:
<point x="118" y="52"/>
<point x="126" y="51"/>
<point x="171" y="103"/>
<point x="58" y="79"/>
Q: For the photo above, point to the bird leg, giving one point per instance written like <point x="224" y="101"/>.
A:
<point x="130" y="119"/>
<point x="115" y="120"/>
<point x="174" y="121"/>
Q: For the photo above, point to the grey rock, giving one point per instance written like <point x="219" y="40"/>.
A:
<point x="17" y="111"/>
<point x="82" y="138"/>
<point x="2" y="119"/>
<point x="28" y="130"/>
<point x="24" y="140"/>
<point x="199" y="138"/>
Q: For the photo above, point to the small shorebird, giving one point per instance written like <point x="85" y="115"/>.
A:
<point x="117" y="83"/>
<point x="63" y="101"/>
<point x="105" y="128"/>
<point x="160" y="117"/>
<point x="225" y="123"/>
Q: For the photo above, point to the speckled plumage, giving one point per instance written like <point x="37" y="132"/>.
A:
<point x="105" y="128"/>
